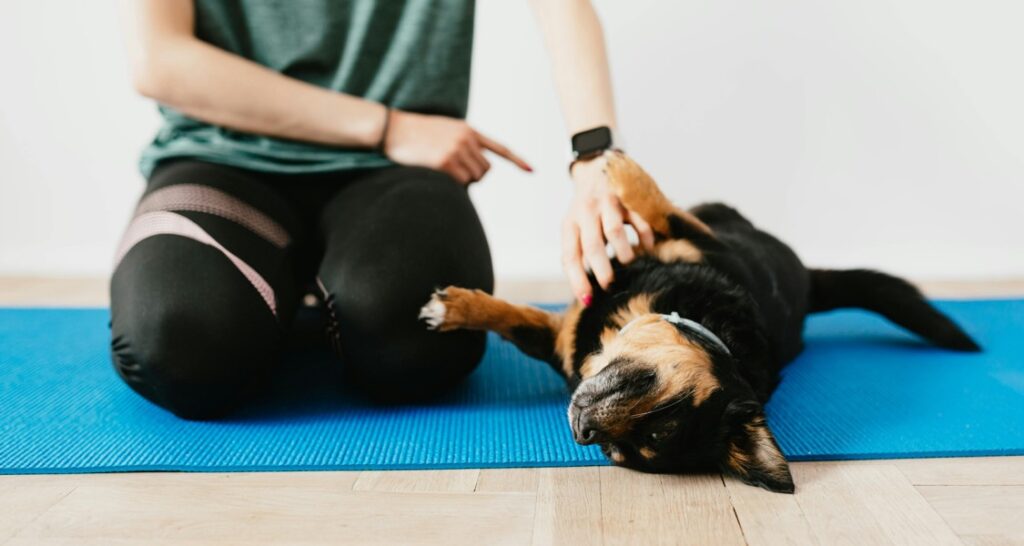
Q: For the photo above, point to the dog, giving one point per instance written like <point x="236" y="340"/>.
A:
<point x="671" y="366"/>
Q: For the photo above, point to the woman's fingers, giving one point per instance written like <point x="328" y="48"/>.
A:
<point x="475" y="162"/>
<point x="458" y="170"/>
<point x="643" y="229"/>
<point x="592" y="241"/>
<point x="483" y="163"/>
<point x="443" y="143"/>
<point x="615" y="229"/>
<point x="572" y="261"/>
<point x="503" y="152"/>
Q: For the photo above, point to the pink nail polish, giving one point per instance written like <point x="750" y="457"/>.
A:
<point x="586" y="299"/>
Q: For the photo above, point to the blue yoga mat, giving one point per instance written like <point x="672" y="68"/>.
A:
<point x="862" y="389"/>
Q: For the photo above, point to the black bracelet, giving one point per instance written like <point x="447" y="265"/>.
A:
<point x="384" y="132"/>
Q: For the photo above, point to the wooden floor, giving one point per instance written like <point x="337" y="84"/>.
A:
<point x="927" y="501"/>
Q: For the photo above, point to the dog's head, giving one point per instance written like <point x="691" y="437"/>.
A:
<point x="659" y="397"/>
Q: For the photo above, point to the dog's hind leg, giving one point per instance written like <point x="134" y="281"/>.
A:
<point x="639" y="193"/>
<point x="541" y="334"/>
<point x="893" y="298"/>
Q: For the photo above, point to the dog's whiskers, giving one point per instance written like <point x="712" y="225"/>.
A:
<point x="675" y="403"/>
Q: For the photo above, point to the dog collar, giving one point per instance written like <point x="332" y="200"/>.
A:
<point x="689" y="325"/>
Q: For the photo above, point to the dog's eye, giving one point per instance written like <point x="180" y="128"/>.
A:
<point x="662" y="432"/>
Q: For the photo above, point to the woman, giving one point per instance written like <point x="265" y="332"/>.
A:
<point x="324" y="141"/>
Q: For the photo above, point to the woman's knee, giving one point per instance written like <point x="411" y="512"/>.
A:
<point x="402" y="367"/>
<point x="392" y="239"/>
<point x="406" y="225"/>
<point x="388" y="352"/>
<point x="193" y="348"/>
<point x="178" y="360"/>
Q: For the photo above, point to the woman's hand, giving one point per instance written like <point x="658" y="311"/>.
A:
<point x="444" y="144"/>
<point x="596" y="218"/>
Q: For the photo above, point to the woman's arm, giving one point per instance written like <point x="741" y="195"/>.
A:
<point x="575" y="44"/>
<point x="170" y="65"/>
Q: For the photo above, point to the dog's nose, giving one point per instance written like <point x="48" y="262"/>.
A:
<point x="587" y="431"/>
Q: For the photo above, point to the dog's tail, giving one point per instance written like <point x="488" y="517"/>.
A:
<point x="893" y="298"/>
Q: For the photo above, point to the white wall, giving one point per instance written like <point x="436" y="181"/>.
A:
<point x="887" y="133"/>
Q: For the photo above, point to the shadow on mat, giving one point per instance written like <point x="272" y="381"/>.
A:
<point x="310" y="384"/>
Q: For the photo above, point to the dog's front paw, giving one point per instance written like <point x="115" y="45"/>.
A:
<point x="626" y="178"/>
<point x="434" y="311"/>
<point x="448" y="309"/>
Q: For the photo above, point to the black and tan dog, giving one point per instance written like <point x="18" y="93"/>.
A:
<point x="671" y="366"/>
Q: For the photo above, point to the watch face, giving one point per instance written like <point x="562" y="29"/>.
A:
<point x="592" y="141"/>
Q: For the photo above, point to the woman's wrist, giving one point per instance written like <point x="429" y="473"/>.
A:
<point x="382" y="141"/>
<point x="355" y="122"/>
<point x="587" y="169"/>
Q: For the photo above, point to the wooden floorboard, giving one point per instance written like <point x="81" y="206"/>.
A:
<point x="897" y="506"/>
<point x="284" y="513"/>
<point x="638" y="508"/>
<point x="980" y="514"/>
<point x="423" y="481"/>
<point x="22" y="503"/>
<point x="836" y="514"/>
<point x="568" y="506"/>
<point x="769" y="519"/>
<point x="964" y="471"/>
<point x="508" y="480"/>
<point x="866" y="504"/>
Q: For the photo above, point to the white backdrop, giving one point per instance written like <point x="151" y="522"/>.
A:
<point x="885" y="133"/>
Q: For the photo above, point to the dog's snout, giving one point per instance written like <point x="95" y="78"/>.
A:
<point x="596" y="407"/>
<point x="589" y="397"/>
<point x="595" y="390"/>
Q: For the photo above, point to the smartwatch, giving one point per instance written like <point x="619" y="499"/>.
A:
<point x="591" y="143"/>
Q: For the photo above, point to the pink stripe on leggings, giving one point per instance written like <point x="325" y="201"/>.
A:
<point x="194" y="197"/>
<point x="149" y="224"/>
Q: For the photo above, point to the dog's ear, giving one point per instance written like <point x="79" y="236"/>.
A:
<point x="751" y="452"/>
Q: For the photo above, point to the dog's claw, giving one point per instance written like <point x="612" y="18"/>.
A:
<point x="433" y="312"/>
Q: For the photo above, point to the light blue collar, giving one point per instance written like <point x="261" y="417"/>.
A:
<point x="690" y="325"/>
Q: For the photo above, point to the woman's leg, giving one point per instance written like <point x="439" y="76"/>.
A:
<point x="391" y="236"/>
<point x="202" y="288"/>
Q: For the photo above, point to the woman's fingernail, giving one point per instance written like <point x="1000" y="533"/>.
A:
<point x="586" y="299"/>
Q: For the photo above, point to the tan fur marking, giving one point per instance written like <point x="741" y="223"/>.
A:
<point x="738" y="459"/>
<point x="766" y="450"/>
<point x="675" y="250"/>
<point x="639" y="193"/>
<point x="647" y="453"/>
<point x="636" y="306"/>
<point x="608" y="334"/>
<point x="593" y="364"/>
<point x="764" y="454"/>
<point x="682" y="366"/>
<point x="565" y="340"/>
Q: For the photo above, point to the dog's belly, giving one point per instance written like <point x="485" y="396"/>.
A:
<point x="768" y="269"/>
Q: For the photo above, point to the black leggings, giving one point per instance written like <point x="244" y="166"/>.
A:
<point x="216" y="260"/>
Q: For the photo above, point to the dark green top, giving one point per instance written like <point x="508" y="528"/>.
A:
<point x="413" y="55"/>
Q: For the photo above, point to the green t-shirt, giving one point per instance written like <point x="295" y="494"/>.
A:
<point x="413" y="55"/>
